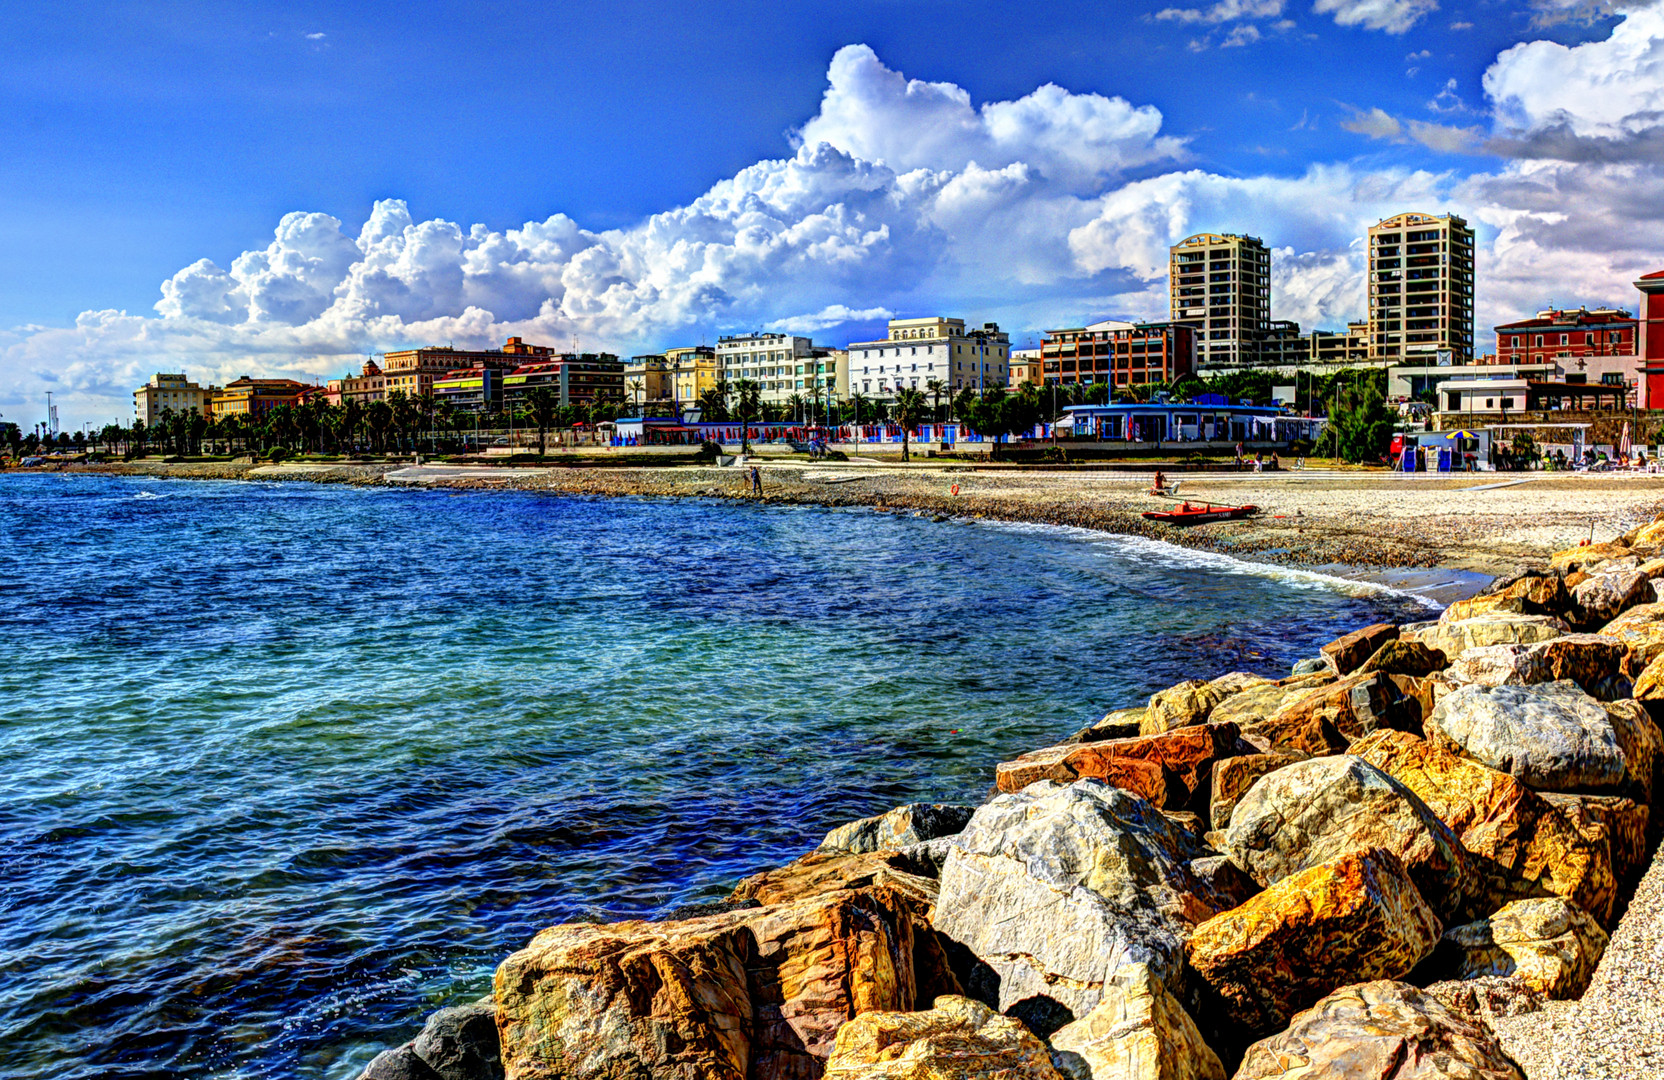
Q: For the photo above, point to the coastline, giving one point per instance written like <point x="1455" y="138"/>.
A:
<point x="1472" y="523"/>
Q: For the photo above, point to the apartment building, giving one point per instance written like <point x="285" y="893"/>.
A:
<point x="1559" y="336"/>
<point x="412" y="371"/>
<point x="1285" y="347"/>
<point x="692" y="371"/>
<point x="174" y="392"/>
<point x="1421" y="289"/>
<point x="775" y="362"/>
<point x="1220" y="285"/>
<point x="1118" y="353"/>
<point x="917" y="351"/>
<point x="1025" y="368"/>
<point x="582" y="379"/>
<point x="369" y="385"/>
<point x="253" y="397"/>
<point x="647" y="380"/>
<point x="477" y="388"/>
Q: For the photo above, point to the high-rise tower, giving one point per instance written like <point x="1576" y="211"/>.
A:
<point x="1220" y="283"/>
<point x="1421" y="289"/>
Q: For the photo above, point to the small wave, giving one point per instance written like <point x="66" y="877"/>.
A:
<point x="148" y="495"/>
<point x="1149" y="549"/>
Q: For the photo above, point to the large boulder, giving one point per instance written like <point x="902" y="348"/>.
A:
<point x="956" y="1039"/>
<point x="1553" y="736"/>
<point x="1642" y="743"/>
<point x="1139" y="1031"/>
<point x="1613" y="820"/>
<point x="1586" y="557"/>
<point x="1180" y="706"/>
<point x="399" y="1063"/>
<point x="1359" y="917"/>
<point x="1233" y="776"/>
<point x="1256" y="704"/>
<point x="1540" y="592"/>
<point x="1592" y="661"/>
<point x="1116" y="724"/>
<point x="461" y="1043"/>
<point x="1380" y="1031"/>
<point x="1056" y="886"/>
<point x="1412" y="658"/>
<point x="1602" y="597"/>
<point x="743" y="994"/>
<point x="1548" y="944"/>
<point x="1453" y="637"/>
<point x="914" y="823"/>
<point x="1326" y="720"/>
<point x="1317" y="811"/>
<point x="1171" y="769"/>
<point x="1499" y="820"/>
<point x="1642" y="629"/>
<point x="1348" y="652"/>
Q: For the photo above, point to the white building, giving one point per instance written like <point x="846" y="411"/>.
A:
<point x="1220" y="283"/>
<point x="174" y="392"/>
<point x="918" y="351"/>
<point x="781" y="364"/>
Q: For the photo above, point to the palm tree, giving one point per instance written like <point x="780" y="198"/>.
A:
<point x="352" y="418"/>
<point x="543" y="406"/>
<point x="907" y="411"/>
<point x="379" y="418"/>
<point x="794" y="407"/>
<point x="635" y="392"/>
<point x="748" y="404"/>
<point x="936" y="388"/>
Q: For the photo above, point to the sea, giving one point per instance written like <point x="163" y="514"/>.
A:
<point x="288" y="766"/>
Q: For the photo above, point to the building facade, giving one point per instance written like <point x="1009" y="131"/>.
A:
<point x="412" y="372"/>
<point x="477" y="388"/>
<point x="1118" y="353"/>
<point x="174" y="392"/>
<point x="1421" y="289"/>
<point x="919" y="351"/>
<point x="1219" y="285"/>
<point x="648" y="381"/>
<point x="1564" y="337"/>
<point x="692" y="372"/>
<point x="254" y="397"/>
<point x="1024" y="368"/>
<point x="584" y="379"/>
<point x="369" y="385"/>
<point x="775" y="362"/>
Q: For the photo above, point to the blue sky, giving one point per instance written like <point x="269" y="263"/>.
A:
<point x="232" y="188"/>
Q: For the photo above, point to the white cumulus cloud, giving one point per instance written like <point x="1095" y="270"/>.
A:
<point x="1392" y="16"/>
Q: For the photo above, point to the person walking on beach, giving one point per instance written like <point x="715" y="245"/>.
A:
<point x="756" y="482"/>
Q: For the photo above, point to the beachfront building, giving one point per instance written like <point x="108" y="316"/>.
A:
<point x="173" y="392"/>
<point x="1209" y="418"/>
<point x="582" y="379"/>
<point x="1407" y="382"/>
<point x="254" y="397"/>
<point x="1421" y="289"/>
<point x="775" y="362"/>
<point x="1561" y="335"/>
<point x="692" y="371"/>
<point x="1219" y="285"/>
<point x="1118" y="353"/>
<point x="647" y="380"/>
<point x="369" y="385"/>
<point x="917" y="352"/>
<point x="1025" y="368"/>
<point x="477" y="388"/>
<point x="412" y="372"/>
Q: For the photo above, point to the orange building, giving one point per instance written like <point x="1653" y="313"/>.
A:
<point x="413" y="372"/>
<point x="253" y="397"/>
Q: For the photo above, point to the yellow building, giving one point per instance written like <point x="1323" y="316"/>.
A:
<point x="413" y="372"/>
<point x="174" y="392"/>
<point x="692" y="371"/>
<point x="647" y="380"/>
<point x="1025" y="367"/>
<point x="246" y="396"/>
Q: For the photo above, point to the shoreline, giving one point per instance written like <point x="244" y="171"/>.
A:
<point x="1313" y="519"/>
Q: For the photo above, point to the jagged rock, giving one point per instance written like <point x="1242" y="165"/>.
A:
<point x="1603" y="597"/>
<point x="741" y="995"/>
<point x="1225" y="878"/>
<point x="1348" y="652"/>
<point x="956" y="1039"/>
<point x="1119" y="724"/>
<point x="1139" y="1031"/>
<point x="1233" y="776"/>
<point x="1648" y="535"/>
<point x="1359" y="917"/>
<point x="1326" y="720"/>
<point x="1419" y="695"/>
<point x="400" y="1063"/>
<point x="1455" y="636"/>
<point x="1642" y="629"/>
<point x="1487" y="997"/>
<point x="1179" y="706"/>
<point x="898" y="828"/>
<point x="1619" y="822"/>
<point x="1539" y="592"/>
<point x="1313" y="666"/>
<point x="1237" y="681"/>
<point x="1641" y="741"/>
<point x="1585" y="557"/>
<point x="1190" y="822"/>
<point x="1498" y="819"/>
<point x="1550" y="945"/>
<point x="1398" y="657"/>
<point x="1649" y="684"/>
<point x="1170" y="770"/>
<point x="461" y="1043"/>
<point x="925" y="859"/>
<point x="1317" y="811"/>
<point x="1258" y="704"/>
<point x="1380" y="1031"/>
<point x="1590" y="660"/>
<point x="1553" y="736"/>
<point x="1056" y="886"/>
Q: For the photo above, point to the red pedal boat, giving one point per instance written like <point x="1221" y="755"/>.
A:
<point x="1188" y="514"/>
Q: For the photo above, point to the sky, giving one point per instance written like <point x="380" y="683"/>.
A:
<point x="283" y="189"/>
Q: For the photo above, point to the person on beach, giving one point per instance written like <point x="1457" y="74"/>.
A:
<point x="1160" y="485"/>
<point x="756" y="482"/>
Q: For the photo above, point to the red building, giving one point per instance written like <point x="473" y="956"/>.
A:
<point x="1118" y="353"/>
<point x="1566" y="335"/>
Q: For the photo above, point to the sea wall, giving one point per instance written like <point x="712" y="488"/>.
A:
<point x="1366" y="868"/>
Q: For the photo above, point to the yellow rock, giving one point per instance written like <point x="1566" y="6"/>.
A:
<point x="958" y="1039"/>
<point x="1642" y="629"/>
<point x="1546" y="943"/>
<point x="1138" y="1032"/>
<point x="1179" y="706"/>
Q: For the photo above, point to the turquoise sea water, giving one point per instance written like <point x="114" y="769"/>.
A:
<point x="288" y="766"/>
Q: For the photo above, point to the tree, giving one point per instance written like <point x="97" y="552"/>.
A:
<point x="936" y="387"/>
<point x="748" y="402"/>
<point x="635" y="392"/>
<point x="962" y="404"/>
<point x="543" y="406"/>
<point x="908" y="411"/>
<point x="1362" y="422"/>
<point x="378" y="417"/>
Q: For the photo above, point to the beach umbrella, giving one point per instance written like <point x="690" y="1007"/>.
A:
<point x="1623" y="441"/>
<point x="1463" y="435"/>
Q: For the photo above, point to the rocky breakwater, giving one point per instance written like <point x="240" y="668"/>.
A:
<point x="1340" y="873"/>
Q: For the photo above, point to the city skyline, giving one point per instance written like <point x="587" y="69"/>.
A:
<point x="919" y="184"/>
